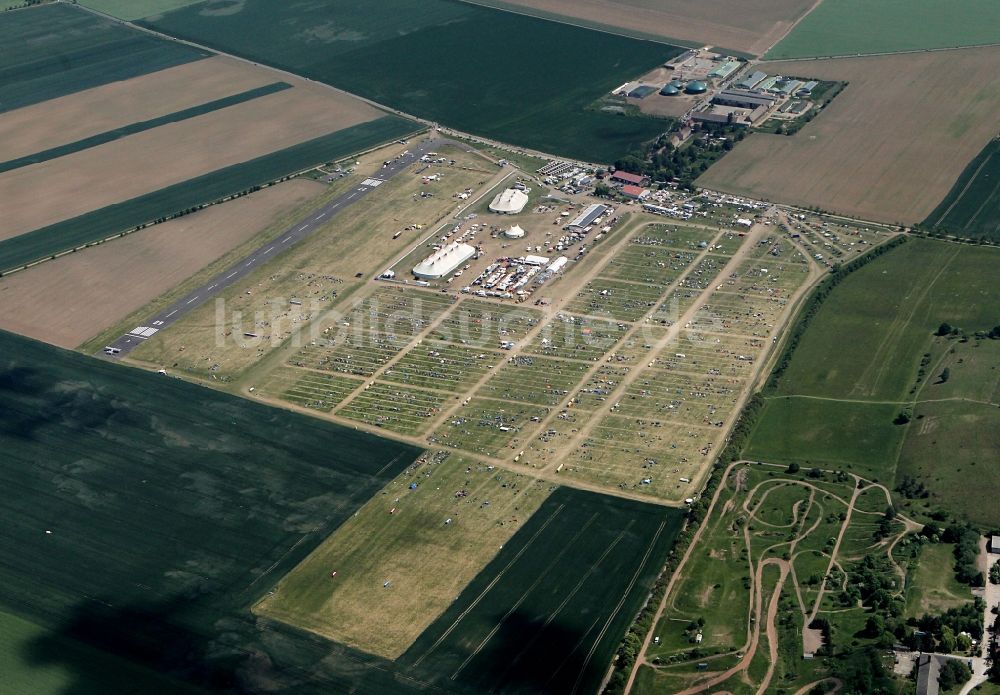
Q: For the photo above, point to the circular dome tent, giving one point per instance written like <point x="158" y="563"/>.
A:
<point x="514" y="232"/>
<point x="696" y="87"/>
<point x="669" y="90"/>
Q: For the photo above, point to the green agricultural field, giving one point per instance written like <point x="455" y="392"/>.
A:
<point x="849" y="27"/>
<point x="547" y="614"/>
<point x="144" y="515"/>
<point x="27" y="666"/>
<point x="857" y="437"/>
<point x="506" y="76"/>
<point x="56" y="49"/>
<point x="869" y="354"/>
<point x="100" y="224"/>
<point x="134" y="128"/>
<point x="136" y="9"/>
<point x="972" y="207"/>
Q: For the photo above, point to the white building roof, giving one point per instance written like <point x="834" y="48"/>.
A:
<point x="514" y="232"/>
<point x="510" y="202"/>
<point x="442" y="262"/>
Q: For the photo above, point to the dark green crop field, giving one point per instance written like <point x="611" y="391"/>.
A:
<point x="547" y="615"/>
<point x="133" y="128"/>
<point x="506" y="76"/>
<point x="972" y="207"/>
<point x="207" y="188"/>
<point x="870" y="355"/>
<point x="53" y="50"/>
<point x="144" y="515"/>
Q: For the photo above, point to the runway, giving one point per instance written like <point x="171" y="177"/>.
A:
<point x="270" y="250"/>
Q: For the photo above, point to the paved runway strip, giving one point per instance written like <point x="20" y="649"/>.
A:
<point x="288" y="238"/>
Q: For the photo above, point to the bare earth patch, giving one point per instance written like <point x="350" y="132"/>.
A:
<point x="92" y="111"/>
<point x="751" y="26"/>
<point x="74" y="297"/>
<point x="888" y="148"/>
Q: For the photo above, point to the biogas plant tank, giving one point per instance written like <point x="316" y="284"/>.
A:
<point x="696" y="87"/>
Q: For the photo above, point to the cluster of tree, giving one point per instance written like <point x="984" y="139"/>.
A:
<point x="911" y="488"/>
<point x="662" y="161"/>
<point x="946" y="329"/>
<point x="945" y="632"/>
<point x="953" y="672"/>
<point x="863" y="672"/>
<point x="871" y="582"/>
<point x="995" y="573"/>
<point x="816" y="300"/>
<point x="883" y="529"/>
<point x="966" y="540"/>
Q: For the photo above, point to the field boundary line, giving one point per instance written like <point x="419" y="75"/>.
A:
<point x="618" y="607"/>
<point x="527" y="592"/>
<point x="490" y="586"/>
<point x="552" y="616"/>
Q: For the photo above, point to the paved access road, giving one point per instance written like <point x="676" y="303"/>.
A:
<point x="281" y="243"/>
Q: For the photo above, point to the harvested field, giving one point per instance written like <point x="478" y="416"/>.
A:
<point x="868" y="153"/>
<point x="401" y="537"/>
<point x="751" y="26"/>
<point x="83" y="114"/>
<point x="214" y="186"/>
<point x="58" y="49"/>
<point x="171" y="154"/>
<point x="74" y="297"/>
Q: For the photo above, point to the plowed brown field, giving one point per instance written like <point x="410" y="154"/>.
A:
<point x="889" y="147"/>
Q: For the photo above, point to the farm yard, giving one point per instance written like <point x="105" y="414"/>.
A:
<point x="860" y="364"/>
<point x="856" y="27"/>
<point x="972" y="208"/>
<point x="827" y="165"/>
<point x="382" y="51"/>
<point x="187" y="506"/>
<point x="747" y="27"/>
<point x="778" y="551"/>
<point x="77" y="296"/>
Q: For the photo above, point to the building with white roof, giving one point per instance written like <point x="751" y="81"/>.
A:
<point x="509" y="202"/>
<point x="444" y="261"/>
